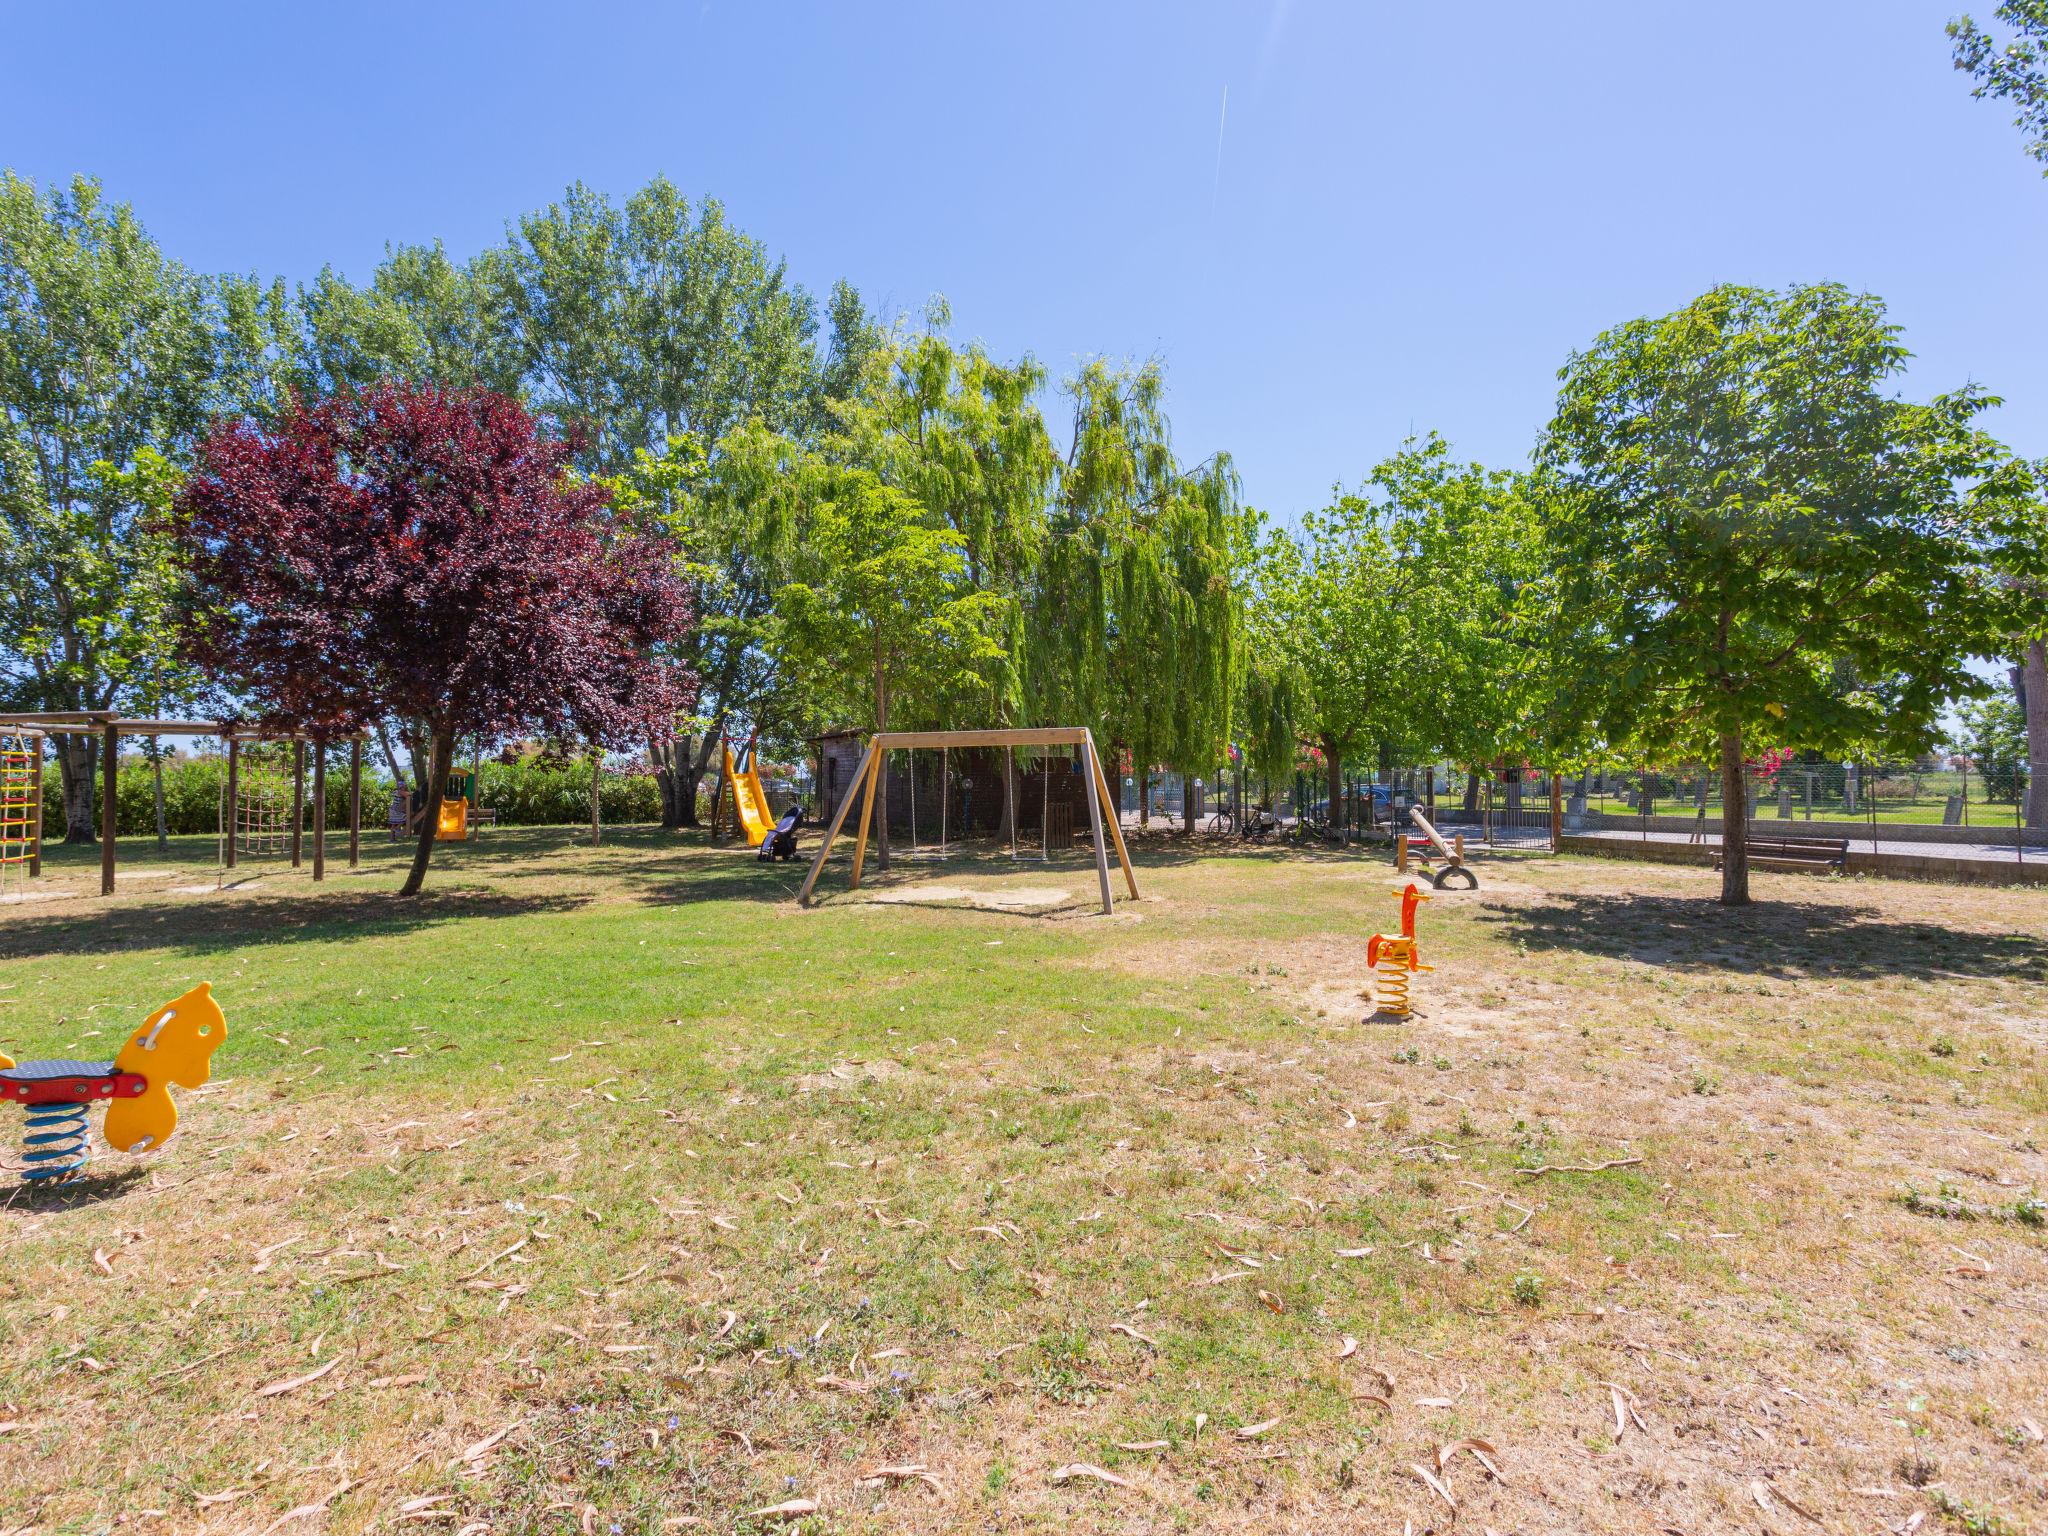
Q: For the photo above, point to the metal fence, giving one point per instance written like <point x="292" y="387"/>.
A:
<point x="1865" y="793"/>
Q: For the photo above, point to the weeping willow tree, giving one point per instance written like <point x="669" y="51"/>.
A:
<point x="959" y="434"/>
<point x="1133" y="614"/>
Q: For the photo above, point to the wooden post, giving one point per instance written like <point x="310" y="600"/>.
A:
<point x="867" y="811"/>
<point x="1556" y="812"/>
<point x="1095" y="821"/>
<point x="596" y="785"/>
<point x="1109" y="805"/>
<point x="298" y="797"/>
<point x="1401" y="852"/>
<point x="110" y="746"/>
<point x="355" y="802"/>
<point x="1458" y="846"/>
<point x="803" y="896"/>
<point x="234" y="812"/>
<point x="319" y="809"/>
<point x="35" y="780"/>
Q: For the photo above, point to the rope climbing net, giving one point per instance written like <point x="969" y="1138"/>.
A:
<point x="19" y="782"/>
<point x="259" y="821"/>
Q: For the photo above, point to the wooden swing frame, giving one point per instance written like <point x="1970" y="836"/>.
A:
<point x="1102" y="813"/>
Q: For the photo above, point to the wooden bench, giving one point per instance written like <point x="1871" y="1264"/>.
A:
<point x="1795" y="854"/>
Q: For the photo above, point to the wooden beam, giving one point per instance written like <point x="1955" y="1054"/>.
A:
<point x="109" y="806"/>
<point x="319" y="810"/>
<point x="803" y="896"/>
<point x="1116" y="831"/>
<point x="1095" y="821"/>
<point x="1031" y="736"/>
<point x="298" y="797"/>
<point x="231" y="823"/>
<point x="867" y="813"/>
<point x="355" y="802"/>
<point x="35" y="781"/>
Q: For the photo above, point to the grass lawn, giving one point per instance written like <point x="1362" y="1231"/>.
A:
<point x="606" y="1190"/>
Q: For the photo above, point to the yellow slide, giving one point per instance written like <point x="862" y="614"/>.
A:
<point x="749" y="799"/>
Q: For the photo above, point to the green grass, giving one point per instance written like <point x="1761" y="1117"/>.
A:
<point x="713" y="1203"/>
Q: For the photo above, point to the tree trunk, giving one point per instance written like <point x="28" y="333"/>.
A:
<point x="1471" y="792"/>
<point x="1144" y="799"/>
<point x="1734" y="824"/>
<point x="1190" y="805"/>
<point x="2035" y="690"/>
<point x="430" y="817"/>
<point x="1333" y="768"/>
<point x="78" y="771"/>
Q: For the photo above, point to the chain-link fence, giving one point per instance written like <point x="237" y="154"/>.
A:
<point x="1920" y="794"/>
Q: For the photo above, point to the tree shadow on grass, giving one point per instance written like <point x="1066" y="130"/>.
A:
<point x="34" y="1199"/>
<point x="1783" y="939"/>
<point x="200" y="926"/>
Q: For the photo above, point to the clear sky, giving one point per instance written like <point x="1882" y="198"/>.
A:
<point x="1405" y="218"/>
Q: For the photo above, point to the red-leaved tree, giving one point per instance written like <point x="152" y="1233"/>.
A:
<point x="422" y="554"/>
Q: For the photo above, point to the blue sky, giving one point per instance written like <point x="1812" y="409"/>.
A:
<point x="1414" y="212"/>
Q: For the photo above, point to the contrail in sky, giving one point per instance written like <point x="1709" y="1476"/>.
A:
<point x="1223" y="118"/>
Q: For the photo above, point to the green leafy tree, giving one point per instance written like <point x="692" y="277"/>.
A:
<point x="109" y="352"/>
<point x="959" y="434"/>
<point x="1132" y="615"/>
<point x="1994" y="734"/>
<point x="1737" y="508"/>
<point x="2012" y="68"/>
<point x="422" y="318"/>
<point x="883" y="612"/>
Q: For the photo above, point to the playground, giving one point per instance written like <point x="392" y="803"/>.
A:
<point x="608" y="1188"/>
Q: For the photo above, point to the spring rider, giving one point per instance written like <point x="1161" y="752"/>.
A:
<point x="1393" y="956"/>
<point x="174" y="1045"/>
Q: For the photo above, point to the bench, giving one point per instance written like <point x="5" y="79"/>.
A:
<point x="1798" y="855"/>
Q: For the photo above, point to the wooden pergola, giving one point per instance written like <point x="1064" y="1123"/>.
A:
<point x="1101" y="803"/>
<point x="110" y="727"/>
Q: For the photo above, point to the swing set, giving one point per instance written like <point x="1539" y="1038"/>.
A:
<point x="1102" y="810"/>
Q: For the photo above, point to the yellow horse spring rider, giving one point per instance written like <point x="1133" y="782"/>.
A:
<point x="174" y="1045"/>
<point x="1393" y="956"/>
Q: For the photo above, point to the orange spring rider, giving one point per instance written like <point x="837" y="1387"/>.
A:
<point x="1393" y="957"/>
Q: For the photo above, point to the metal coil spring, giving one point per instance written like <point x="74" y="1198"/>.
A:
<point x="1392" y="977"/>
<point x="55" y="1145"/>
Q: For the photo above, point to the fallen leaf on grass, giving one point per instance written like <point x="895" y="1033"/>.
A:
<point x="1481" y="1451"/>
<point x="225" y="1496"/>
<point x="293" y="1383"/>
<point x="101" y="1262"/>
<point x="1435" y="1402"/>
<point x="1080" y="1469"/>
<point x="489" y="1443"/>
<point x="1271" y="1302"/>
<point x="1435" y="1485"/>
<point x="842" y="1384"/>
<point x="1142" y="1445"/>
<point x="1763" y="1493"/>
<point x="909" y="1471"/>
<point x="1624" y="1408"/>
<point x="727" y="1321"/>
<point x="1348" y="1348"/>
<point x="1131" y="1333"/>
<point x="788" y="1509"/>
<point x="1353" y="1253"/>
<point x="1253" y="1431"/>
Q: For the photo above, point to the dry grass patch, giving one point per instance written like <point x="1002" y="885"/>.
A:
<point x="976" y="1220"/>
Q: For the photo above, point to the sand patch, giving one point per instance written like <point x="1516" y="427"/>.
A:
<point x="847" y="1074"/>
<point x="1022" y="898"/>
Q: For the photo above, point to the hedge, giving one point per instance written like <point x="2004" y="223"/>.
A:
<point x="524" y="794"/>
